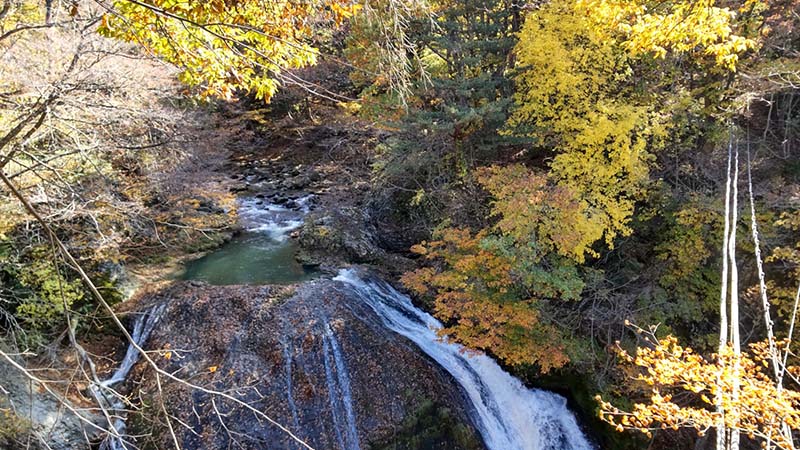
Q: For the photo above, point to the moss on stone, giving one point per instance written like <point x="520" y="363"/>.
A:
<point x="13" y="428"/>
<point x="431" y="427"/>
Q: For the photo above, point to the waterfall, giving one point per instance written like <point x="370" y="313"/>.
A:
<point x="142" y="327"/>
<point x="508" y="415"/>
<point x="339" y="391"/>
<point x="276" y="221"/>
<point x="287" y="357"/>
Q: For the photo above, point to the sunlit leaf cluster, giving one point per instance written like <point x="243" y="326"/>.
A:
<point x="681" y="388"/>
<point x="224" y="46"/>
<point x="574" y="96"/>
<point x="701" y="29"/>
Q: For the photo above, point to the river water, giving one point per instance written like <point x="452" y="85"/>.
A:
<point x="262" y="253"/>
<point x="508" y="415"/>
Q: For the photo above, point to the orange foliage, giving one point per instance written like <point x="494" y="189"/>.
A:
<point x="490" y="287"/>
<point x="478" y="299"/>
<point x="529" y="208"/>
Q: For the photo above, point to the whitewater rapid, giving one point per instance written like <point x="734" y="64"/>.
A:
<point x="509" y="416"/>
<point x="274" y="220"/>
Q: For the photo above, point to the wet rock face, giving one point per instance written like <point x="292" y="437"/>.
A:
<point x="316" y="360"/>
<point x="31" y="418"/>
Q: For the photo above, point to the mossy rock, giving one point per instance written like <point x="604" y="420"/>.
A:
<point x="431" y="427"/>
<point x="14" y="430"/>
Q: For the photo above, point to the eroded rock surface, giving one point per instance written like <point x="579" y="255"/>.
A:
<point x="313" y="358"/>
<point x="28" y="410"/>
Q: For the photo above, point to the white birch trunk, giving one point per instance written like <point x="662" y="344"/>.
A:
<point x="723" y="304"/>
<point x="734" y="291"/>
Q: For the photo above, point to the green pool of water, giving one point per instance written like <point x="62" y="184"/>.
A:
<point x="250" y="258"/>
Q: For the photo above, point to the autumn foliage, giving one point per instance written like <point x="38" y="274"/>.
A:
<point x="490" y="286"/>
<point x="480" y="300"/>
<point x="575" y="97"/>
<point x="558" y="163"/>
<point x="681" y="387"/>
<point x="703" y="29"/>
<point x="228" y="45"/>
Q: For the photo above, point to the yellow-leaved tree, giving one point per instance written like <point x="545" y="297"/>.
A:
<point x="229" y="45"/>
<point x="580" y="95"/>
<point x="701" y="29"/>
<point x="684" y="388"/>
<point x="733" y="392"/>
<point x="575" y="96"/>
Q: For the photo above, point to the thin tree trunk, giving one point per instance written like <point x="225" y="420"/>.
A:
<point x="5" y="9"/>
<point x="761" y="280"/>
<point x="723" y="304"/>
<point x="773" y="348"/>
<point x="734" y="291"/>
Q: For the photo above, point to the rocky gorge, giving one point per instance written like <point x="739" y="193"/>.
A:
<point x="288" y="336"/>
<point x="344" y="362"/>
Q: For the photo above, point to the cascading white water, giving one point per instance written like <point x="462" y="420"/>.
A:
<point x="277" y="221"/>
<point x="509" y="415"/>
<point x="142" y="327"/>
<point x="339" y="391"/>
<point x="287" y="357"/>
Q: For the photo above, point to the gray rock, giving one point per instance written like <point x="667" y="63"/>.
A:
<point x="36" y="413"/>
<point x="294" y="356"/>
<point x="120" y="277"/>
<point x="298" y="182"/>
<point x="314" y="176"/>
<point x="344" y="232"/>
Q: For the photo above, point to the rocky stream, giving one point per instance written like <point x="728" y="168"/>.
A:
<point x="342" y="360"/>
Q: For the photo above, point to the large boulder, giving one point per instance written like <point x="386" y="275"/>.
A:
<point x="344" y="235"/>
<point x="315" y="359"/>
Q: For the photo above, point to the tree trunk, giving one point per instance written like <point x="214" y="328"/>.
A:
<point x="734" y="290"/>
<point x="723" y="304"/>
